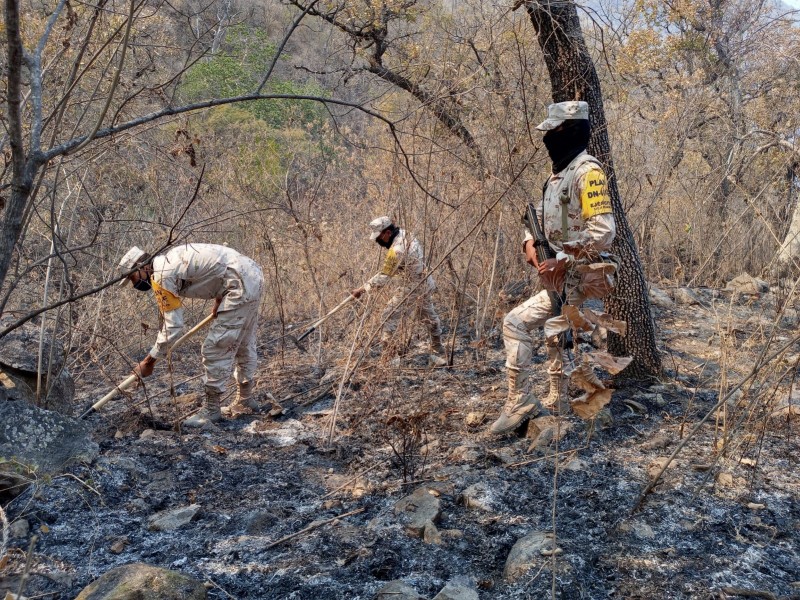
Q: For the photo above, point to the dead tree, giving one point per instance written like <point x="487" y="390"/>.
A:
<point x="573" y="77"/>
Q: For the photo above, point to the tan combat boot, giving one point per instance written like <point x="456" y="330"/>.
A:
<point x="438" y="355"/>
<point x="520" y="406"/>
<point x="210" y="412"/>
<point x="244" y="403"/>
<point x="557" y="399"/>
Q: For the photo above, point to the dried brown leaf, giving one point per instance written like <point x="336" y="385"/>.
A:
<point x="579" y="250"/>
<point x="583" y="377"/>
<point x="612" y="364"/>
<point x="576" y="318"/>
<point x="597" y="279"/>
<point x="607" y="321"/>
<point x="588" y="405"/>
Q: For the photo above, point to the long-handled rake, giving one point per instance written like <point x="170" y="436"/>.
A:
<point x="133" y="377"/>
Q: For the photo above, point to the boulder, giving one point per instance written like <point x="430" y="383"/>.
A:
<point x="430" y="534"/>
<point x="660" y="298"/>
<point x="686" y="297"/>
<point x="19" y="357"/>
<point x="417" y="509"/>
<point x="397" y="590"/>
<point x="543" y="430"/>
<point x="480" y="496"/>
<point x="456" y="591"/>
<point x="747" y="285"/>
<point x="43" y="439"/>
<point x="174" y="518"/>
<point x="528" y="551"/>
<point x="137" y="580"/>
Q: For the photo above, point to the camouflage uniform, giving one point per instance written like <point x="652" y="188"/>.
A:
<point x="405" y="262"/>
<point x="589" y="218"/>
<point x="209" y="271"/>
<point x="576" y="207"/>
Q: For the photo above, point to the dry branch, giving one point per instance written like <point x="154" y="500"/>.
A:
<point x="312" y="527"/>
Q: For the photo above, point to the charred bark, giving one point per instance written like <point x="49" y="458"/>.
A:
<point x="573" y="77"/>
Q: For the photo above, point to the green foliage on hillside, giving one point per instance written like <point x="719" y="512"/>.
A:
<point x="237" y="69"/>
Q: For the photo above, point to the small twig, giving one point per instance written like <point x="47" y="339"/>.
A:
<point x="220" y="588"/>
<point x="311" y="527"/>
<point x="541" y="458"/>
<point x="325" y="392"/>
<point x="28" y="564"/>
<point x="749" y="593"/>
<point x="82" y="482"/>
<point x="304" y="392"/>
<point x="4" y="536"/>
<point x="351" y="480"/>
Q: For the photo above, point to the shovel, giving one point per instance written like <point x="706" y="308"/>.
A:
<point x="319" y="322"/>
<point x="133" y="377"/>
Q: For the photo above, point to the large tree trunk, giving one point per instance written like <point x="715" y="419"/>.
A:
<point x="573" y="77"/>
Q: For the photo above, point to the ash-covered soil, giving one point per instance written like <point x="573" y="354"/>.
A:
<point x="724" y="521"/>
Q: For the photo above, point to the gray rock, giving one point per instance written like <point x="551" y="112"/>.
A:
<point x="43" y="439"/>
<point x="686" y="297"/>
<point x="283" y="434"/>
<point x="430" y="534"/>
<point x="660" y="298"/>
<point x="137" y="580"/>
<point x="417" y="509"/>
<point x="467" y="453"/>
<point x="637" y="528"/>
<point x="19" y="529"/>
<point x="19" y="356"/>
<point x="543" y="430"/>
<point x="747" y="284"/>
<point x="169" y="520"/>
<point x="456" y="591"/>
<point x="397" y="590"/>
<point x="480" y="496"/>
<point x="528" y="551"/>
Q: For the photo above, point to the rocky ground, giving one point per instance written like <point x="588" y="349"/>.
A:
<point x="265" y="507"/>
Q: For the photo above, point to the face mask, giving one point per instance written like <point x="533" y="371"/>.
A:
<point x="564" y="145"/>
<point x="143" y="285"/>
<point x="390" y="241"/>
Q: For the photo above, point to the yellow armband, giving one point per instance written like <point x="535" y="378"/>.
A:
<point x="390" y="263"/>
<point x="594" y="195"/>
<point x="165" y="299"/>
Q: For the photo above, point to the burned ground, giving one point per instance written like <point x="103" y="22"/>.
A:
<point x="724" y="521"/>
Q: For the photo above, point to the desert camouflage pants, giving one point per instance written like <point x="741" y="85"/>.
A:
<point x="231" y="342"/>
<point x="418" y="305"/>
<point x="519" y="325"/>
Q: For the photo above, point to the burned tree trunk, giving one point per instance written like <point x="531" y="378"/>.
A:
<point x="573" y="77"/>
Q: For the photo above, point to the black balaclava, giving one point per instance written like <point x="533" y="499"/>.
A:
<point x="395" y="230"/>
<point x="564" y="145"/>
<point x="143" y="285"/>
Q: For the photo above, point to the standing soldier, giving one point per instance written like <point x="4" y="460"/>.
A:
<point x="576" y="208"/>
<point x="405" y="260"/>
<point x="208" y="272"/>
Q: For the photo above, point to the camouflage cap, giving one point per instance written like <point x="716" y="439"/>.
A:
<point x="376" y="226"/>
<point x="562" y="111"/>
<point x="133" y="257"/>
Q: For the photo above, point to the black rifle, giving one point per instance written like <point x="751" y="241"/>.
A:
<point x="543" y="252"/>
